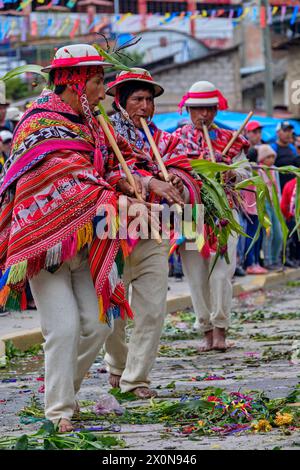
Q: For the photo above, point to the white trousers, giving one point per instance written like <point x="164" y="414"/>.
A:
<point x="146" y="269"/>
<point x="73" y="334"/>
<point x="211" y="297"/>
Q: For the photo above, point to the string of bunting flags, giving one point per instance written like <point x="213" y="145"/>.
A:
<point x="72" y="24"/>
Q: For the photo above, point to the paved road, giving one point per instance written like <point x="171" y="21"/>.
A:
<point x="264" y="327"/>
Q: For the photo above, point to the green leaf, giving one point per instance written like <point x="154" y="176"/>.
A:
<point x="49" y="445"/>
<point x="47" y="429"/>
<point x="198" y="405"/>
<point x="297" y="210"/>
<point x="279" y="215"/>
<point x="30" y="68"/>
<point x="103" y="112"/>
<point x="22" y="443"/>
<point x="122" y="396"/>
<point x="110" y="58"/>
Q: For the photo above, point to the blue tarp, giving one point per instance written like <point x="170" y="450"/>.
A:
<point x="228" y="120"/>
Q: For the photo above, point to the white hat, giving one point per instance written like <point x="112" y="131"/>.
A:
<point x="5" y="136"/>
<point x="13" y="114"/>
<point x="204" y="93"/>
<point x="3" y="99"/>
<point x="135" y="75"/>
<point x="76" y="55"/>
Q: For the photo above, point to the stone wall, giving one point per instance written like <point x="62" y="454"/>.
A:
<point x="293" y="76"/>
<point x="222" y="68"/>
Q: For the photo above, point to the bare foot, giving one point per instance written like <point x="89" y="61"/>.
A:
<point x="65" y="425"/>
<point x="219" y="339"/>
<point x="144" y="392"/>
<point x="76" y="409"/>
<point x="208" y="342"/>
<point x="114" y="380"/>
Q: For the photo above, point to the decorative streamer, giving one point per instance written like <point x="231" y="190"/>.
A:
<point x="270" y="19"/>
<point x="167" y="16"/>
<point x="47" y="29"/>
<point x="24" y="30"/>
<point x="263" y="22"/>
<point x="6" y="29"/>
<point x="64" y="26"/>
<point x="75" y="28"/>
<point x="254" y="14"/>
<point x="34" y="28"/>
<point x="123" y="18"/>
<point x="283" y="13"/>
<point x="41" y="1"/>
<point x="57" y="27"/>
<point x="12" y="27"/>
<point x="231" y="14"/>
<point x="195" y="15"/>
<point x="274" y="10"/>
<point x="24" y="4"/>
<point x="294" y="15"/>
<point x="93" y="24"/>
<point x="71" y="3"/>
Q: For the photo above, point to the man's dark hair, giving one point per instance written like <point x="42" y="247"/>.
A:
<point x="128" y="89"/>
<point x="58" y="89"/>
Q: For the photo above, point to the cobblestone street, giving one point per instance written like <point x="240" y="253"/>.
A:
<point x="265" y="325"/>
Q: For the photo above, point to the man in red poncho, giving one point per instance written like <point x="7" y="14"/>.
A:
<point x="146" y="268"/>
<point x="212" y="296"/>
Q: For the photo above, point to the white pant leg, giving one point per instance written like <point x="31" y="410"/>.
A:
<point x="55" y="301"/>
<point x="149" y="275"/>
<point x="196" y="270"/>
<point x="221" y="286"/>
<point x="116" y="348"/>
<point x="93" y="333"/>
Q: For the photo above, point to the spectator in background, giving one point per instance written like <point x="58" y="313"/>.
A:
<point x="272" y="241"/>
<point x="251" y="259"/>
<point x="297" y="145"/>
<point x="287" y="205"/>
<point x="253" y="132"/>
<point x="286" y="152"/>
<point x="13" y="114"/>
<point x="4" y="123"/>
<point x="6" y="139"/>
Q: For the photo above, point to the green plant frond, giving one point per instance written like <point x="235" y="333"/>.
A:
<point x="206" y="167"/>
<point x="30" y="68"/>
<point x="103" y="112"/>
<point x="297" y="210"/>
<point x="280" y="217"/>
<point x="110" y="58"/>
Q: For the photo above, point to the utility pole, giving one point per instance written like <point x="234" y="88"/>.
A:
<point x="267" y="49"/>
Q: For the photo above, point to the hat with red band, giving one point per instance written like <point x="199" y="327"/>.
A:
<point x="136" y="74"/>
<point x="202" y="94"/>
<point x="76" y="55"/>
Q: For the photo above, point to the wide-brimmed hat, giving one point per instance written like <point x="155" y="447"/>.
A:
<point x="13" y="113"/>
<point x="204" y="93"/>
<point x="5" y="136"/>
<point x="135" y="75"/>
<point x="76" y="55"/>
<point x="3" y="100"/>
